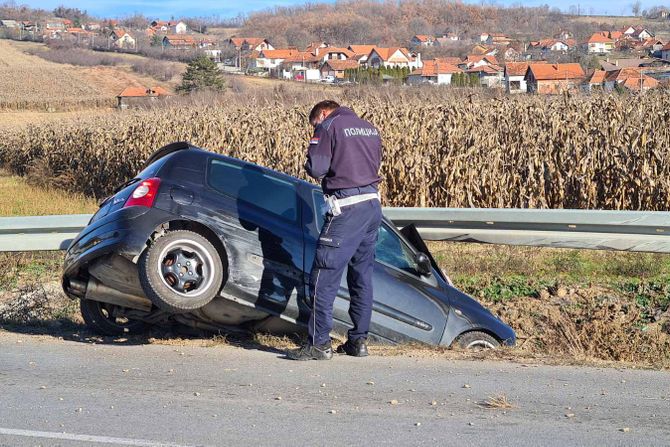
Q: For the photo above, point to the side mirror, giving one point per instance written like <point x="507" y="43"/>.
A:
<point x="423" y="265"/>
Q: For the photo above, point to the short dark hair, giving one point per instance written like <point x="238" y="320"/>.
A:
<point x="320" y="107"/>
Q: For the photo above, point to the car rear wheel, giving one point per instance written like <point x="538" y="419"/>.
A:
<point x="108" y="319"/>
<point x="477" y="340"/>
<point x="181" y="271"/>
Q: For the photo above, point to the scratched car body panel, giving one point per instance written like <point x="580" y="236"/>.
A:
<point x="265" y="225"/>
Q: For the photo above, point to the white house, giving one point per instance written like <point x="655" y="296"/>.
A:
<point x="9" y="24"/>
<point x="599" y="44"/>
<point x="361" y="52"/>
<point x="490" y="76"/>
<point x="434" y="71"/>
<point x="514" y="77"/>
<point x="422" y="40"/>
<point x="272" y="59"/>
<point x="476" y="61"/>
<point x="394" y="57"/>
<point x="639" y="33"/>
<point x="121" y="39"/>
<point x="178" y="27"/>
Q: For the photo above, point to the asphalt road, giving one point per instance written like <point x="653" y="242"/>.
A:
<point x="65" y="393"/>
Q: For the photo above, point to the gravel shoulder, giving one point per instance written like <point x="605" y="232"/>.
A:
<point x="222" y="394"/>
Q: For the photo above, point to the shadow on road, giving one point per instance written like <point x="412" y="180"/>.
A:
<point x="66" y="329"/>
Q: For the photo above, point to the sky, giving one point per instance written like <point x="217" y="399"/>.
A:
<point x="166" y="8"/>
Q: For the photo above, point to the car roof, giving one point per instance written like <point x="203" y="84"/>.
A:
<point x="197" y="151"/>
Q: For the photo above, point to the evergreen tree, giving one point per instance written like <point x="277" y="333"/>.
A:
<point x="201" y="74"/>
<point x="156" y="40"/>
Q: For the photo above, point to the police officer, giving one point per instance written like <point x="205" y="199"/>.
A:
<point x="345" y="155"/>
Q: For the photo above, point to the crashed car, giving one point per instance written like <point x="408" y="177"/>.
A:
<point x="217" y="243"/>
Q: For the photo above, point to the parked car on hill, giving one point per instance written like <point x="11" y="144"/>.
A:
<point x="219" y="243"/>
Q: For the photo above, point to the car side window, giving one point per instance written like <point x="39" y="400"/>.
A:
<point x="391" y="250"/>
<point x="254" y="186"/>
<point x="318" y="203"/>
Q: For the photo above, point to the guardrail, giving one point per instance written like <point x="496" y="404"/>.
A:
<point x="598" y="230"/>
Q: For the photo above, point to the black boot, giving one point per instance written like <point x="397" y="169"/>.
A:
<point x="310" y="352"/>
<point x="356" y="348"/>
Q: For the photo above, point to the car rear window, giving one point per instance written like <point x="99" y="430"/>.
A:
<point x="254" y="186"/>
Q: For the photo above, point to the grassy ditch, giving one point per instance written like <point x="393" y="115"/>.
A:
<point x="586" y="312"/>
<point x="574" y="306"/>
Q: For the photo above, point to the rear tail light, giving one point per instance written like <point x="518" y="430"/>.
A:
<point x="144" y="194"/>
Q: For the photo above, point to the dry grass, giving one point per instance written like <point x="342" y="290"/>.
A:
<point x="498" y="402"/>
<point x="17" y="198"/>
<point x="28" y="82"/>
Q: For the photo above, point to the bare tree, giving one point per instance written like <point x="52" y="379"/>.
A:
<point x="636" y="7"/>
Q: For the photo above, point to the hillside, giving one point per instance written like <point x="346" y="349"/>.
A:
<point x="28" y="82"/>
<point x="394" y="23"/>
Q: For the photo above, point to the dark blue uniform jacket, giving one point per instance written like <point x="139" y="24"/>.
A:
<point x="345" y="152"/>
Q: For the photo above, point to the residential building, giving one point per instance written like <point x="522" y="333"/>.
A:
<point x="638" y="33"/>
<point x="186" y="42"/>
<point x="140" y="96"/>
<point x="333" y="53"/>
<point x="550" y="79"/>
<point x="475" y="61"/>
<point x="178" y="27"/>
<point x="495" y="39"/>
<point x="555" y="45"/>
<point x="78" y="35"/>
<point x="514" y="77"/>
<point x="57" y="25"/>
<point x="488" y="50"/>
<point x="423" y="40"/>
<point x="599" y="44"/>
<point x="9" y="24"/>
<point x="490" y="76"/>
<point x="434" y="71"/>
<point x="394" y="57"/>
<point x="250" y="43"/>
<point x="361" y="52"/>
<point x="121" y="39"/>
<point x="629" y="78"/>
<point x="273" y="59"/>
<point x="597" y="80"/>
<point x="337" y="67"/>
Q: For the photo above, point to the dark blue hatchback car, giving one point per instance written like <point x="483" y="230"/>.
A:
<point x="218" y="243"/>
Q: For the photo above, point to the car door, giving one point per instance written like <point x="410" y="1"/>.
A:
<point x="407" y="306"/>
<point x="257" y="212"/>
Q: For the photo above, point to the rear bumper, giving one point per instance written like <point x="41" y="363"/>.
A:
<point x="124" y="232"/>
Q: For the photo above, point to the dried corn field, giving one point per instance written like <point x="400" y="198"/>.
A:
<point x="31" y="83"/>
<point x="606" y="152"/>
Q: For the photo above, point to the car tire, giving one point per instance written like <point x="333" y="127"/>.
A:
<point x="101" y="319"/>
<point x="477" y="340"/>
<point x="181" y="271"/>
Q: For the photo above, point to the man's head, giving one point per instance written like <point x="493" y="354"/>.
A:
<point x="321" y="111"/>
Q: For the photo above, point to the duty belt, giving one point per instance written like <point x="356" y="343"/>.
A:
<point x="333" y="205"/>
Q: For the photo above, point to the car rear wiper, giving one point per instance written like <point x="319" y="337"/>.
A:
<point x="128" y="183"/>
<point x="119" y="188"/>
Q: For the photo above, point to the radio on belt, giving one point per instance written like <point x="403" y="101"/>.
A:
<point x="332" y="206"/>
